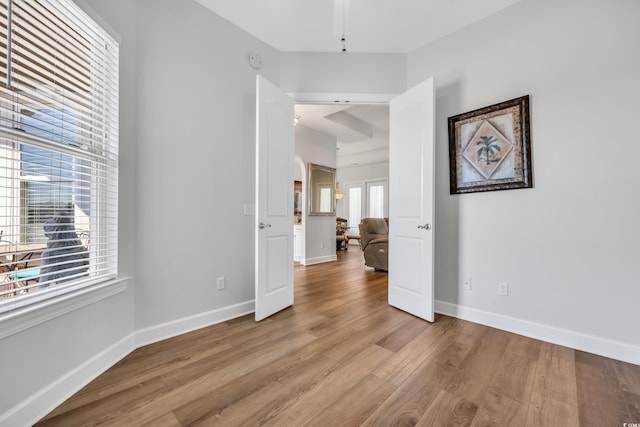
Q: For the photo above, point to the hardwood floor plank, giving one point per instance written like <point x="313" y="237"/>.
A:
<point x="293" y="374"/>
<point x="515" y="377"/>
<point x="342" y="356"/>
<point x="524" y="346"/>
<point x="507" y="399"/>
<point x="149" y="362"/>
<point x="556" y="374"/>
<point x="206" y="377"/>
<point x="545" y="411"/>
<point x="448" y="410"/>
<point x="318" y="401"/>
<point x="350" y="409"/>
<point x="227" y="361"/>
<point x="109" y="411"/>
<point x="473" y="376"/>
<point x="165" y="420"/>
<point x="633" y="403"/>
<point x="403" y="334"/>
<point x="600" y="397"/>
<point x="380" y="323"/>
<point x="268" y="403"/>
<point x="400" y="366"/>
<point x="410" y="401"/>
<point x="498" y="409"/>
<point x="628" y="377"/>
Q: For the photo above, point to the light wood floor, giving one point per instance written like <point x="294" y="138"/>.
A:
<point x="342" y="357"/>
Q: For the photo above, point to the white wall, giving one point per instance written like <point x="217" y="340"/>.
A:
<point x="319" y="231"/>
<point x="568" y="247"/>
<point x="340" y="73"/>
<point x="42" y="363"/>
<point x="196" y="167"/>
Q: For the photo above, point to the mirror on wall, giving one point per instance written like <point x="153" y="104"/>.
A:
<point x="322" y="184"/>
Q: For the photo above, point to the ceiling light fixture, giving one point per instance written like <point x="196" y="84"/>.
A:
<point x="341" y="20"/>
<point x="339" y="194"/>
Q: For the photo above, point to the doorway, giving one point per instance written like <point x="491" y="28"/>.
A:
<point x="411" y="145"/>
<point x="352" y="137"/>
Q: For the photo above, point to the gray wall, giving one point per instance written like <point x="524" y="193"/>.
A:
<point x="196" y="128"/>
<point x="340" y="73"/>
<point x="49" y="352"/>
<point x="320" y="231"/>
<point x="568" y="247"/>
<point x="187" y="137"/>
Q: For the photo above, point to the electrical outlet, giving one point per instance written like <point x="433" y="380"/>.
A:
<point x="220" y="283"/>
<point x="466" y="285"/>
<point x="321" y="245"/>
<point x="503" y="289"/>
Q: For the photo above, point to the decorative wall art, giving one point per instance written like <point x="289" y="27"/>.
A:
<point x="490" y="148"/>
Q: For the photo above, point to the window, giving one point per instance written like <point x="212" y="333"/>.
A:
<point x="376" y="199"/>
<point x="58" y="151"/>
<point x="365" y="199"/>
<point x="354" y="196"/>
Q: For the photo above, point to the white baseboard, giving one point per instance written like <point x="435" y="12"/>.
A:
<point x="49" y="397"/>
<point x="187" y="324"/>
<point x="576" y="340"/>
<point x="320" y="259"/>
<point x="31" y="410"/>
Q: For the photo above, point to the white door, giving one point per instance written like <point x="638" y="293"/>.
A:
<point x="274" y="199"/>
<point x="411" y="150"/>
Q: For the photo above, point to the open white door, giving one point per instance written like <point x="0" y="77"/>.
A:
<point x="411" y="150"/>
<point x="274" y="199"/>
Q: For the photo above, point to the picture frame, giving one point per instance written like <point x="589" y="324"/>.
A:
<point x="490" y="148"/>
<point x="322" y="187"/>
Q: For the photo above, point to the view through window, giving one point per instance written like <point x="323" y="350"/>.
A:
<point x="58" y="151"/>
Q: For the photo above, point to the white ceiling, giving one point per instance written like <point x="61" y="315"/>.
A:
<point x="362" y="131"/>
<point x="381" y="26"/>
<point x="373" y="26"/>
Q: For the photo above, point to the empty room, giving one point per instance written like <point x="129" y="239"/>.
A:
<point x="156" y="172"/>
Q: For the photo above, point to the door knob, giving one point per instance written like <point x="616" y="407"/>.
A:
<point x="425" y="227"/>
<point x="263" y="225"/>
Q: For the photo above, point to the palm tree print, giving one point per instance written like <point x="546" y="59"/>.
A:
<point x="489" y="149"/>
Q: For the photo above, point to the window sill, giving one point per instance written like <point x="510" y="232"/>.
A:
<point x="19" y="319"/>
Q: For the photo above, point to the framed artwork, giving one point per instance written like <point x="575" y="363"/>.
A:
<point x="490" y="148"/>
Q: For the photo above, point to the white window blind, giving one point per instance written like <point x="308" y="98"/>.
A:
<point x="58" y="151"/>
<point x="376" y="201"/>
<point x="355" y="208"/>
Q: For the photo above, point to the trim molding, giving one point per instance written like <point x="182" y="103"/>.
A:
<point x="64" y="387"/>
<point x="572" y="339"/>
<point x="191" y="323"/>
<point x="32" y="409"/>
<point x="53" y="394"/>
<point x="320" y="259"/>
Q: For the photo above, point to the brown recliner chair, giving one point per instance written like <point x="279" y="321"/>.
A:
<point x="374" y="235"/>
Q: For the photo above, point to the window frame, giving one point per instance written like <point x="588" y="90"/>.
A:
<point x="37" y="307"/>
